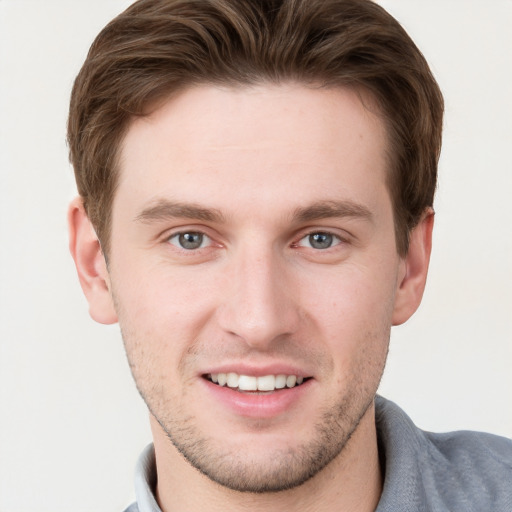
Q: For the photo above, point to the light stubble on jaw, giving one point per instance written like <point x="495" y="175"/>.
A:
<point x="286" y="468"/>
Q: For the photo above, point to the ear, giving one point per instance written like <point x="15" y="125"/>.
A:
<point x="414" y="268"/>
<point x="90" y="264"/>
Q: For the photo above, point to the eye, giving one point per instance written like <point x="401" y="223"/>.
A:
<point x="190" y="240"/>
<point x="319" y="240"/>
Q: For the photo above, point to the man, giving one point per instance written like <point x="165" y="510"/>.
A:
<point x="256" y="185"/>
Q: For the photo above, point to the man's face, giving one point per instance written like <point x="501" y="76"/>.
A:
<point x="253" y="235"/>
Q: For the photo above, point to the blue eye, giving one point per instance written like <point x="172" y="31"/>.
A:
<point x="189" y="240"/>
<point x="320" y="240"/>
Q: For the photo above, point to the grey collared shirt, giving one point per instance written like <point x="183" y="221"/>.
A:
<point x="423" y="472"/>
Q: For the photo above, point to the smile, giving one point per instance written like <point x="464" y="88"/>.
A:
<point x="252" y="383"/>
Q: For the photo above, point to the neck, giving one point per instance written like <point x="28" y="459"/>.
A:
<point x="351" y="482"/>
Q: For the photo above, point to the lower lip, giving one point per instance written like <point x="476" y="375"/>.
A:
<point x="256" y="405"/>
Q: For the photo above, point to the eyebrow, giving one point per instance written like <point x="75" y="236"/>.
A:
<point x="332" y="209"/>
<point x="163" y="209"/>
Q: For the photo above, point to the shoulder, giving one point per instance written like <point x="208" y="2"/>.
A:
<point x="475" y="448"/>
<point x="132" y="508"/>
<point x="470" y="470"/>
<point x="477" y="461"/>
<point x="461" y="447"/>
<point x="456" y="471"/>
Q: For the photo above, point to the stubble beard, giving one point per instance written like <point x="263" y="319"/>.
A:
<point x="285" y="469"/>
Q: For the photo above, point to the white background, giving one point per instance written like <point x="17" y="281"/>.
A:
<point x="71" y="422"/>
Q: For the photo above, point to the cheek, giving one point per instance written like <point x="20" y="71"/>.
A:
<point x="158" y="293"/>
<point x="353" y="311"/>
<point x="351" y="296"/>
<point x="161" y="312"/>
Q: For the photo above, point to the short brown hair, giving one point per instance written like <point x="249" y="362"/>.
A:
<point x="157" y="47"/>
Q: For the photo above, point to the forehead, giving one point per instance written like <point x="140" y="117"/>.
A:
<point x="286" y="142"/>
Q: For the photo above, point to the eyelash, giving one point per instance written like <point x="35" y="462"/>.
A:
<point x="179" y="234"/>
<point x="333" y="239"/>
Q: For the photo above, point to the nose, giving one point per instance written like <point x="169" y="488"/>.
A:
<point x="259" y="303"/>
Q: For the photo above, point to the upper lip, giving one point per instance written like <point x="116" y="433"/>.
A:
<point x="257" y="371"/>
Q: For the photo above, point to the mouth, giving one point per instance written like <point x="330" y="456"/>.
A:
<point x="250" y="383"/>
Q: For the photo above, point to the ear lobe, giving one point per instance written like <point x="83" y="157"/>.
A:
<point x="415" y="269"/>
<point x="90" y="264"/>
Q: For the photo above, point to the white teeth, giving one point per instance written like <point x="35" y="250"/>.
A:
<point x="291" y="380"/>
<point x="280" y="381"/>
<point x="246" y="383"/>
<point x="267" y="383"/>
<point x="251" y="383"/>
<point x="232" y="380"/>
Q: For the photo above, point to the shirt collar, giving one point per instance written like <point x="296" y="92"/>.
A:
<point x="145" y="481"/>
<point x="399" y="441"/>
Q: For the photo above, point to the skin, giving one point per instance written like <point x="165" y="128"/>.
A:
<point x="255" y="172"/>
